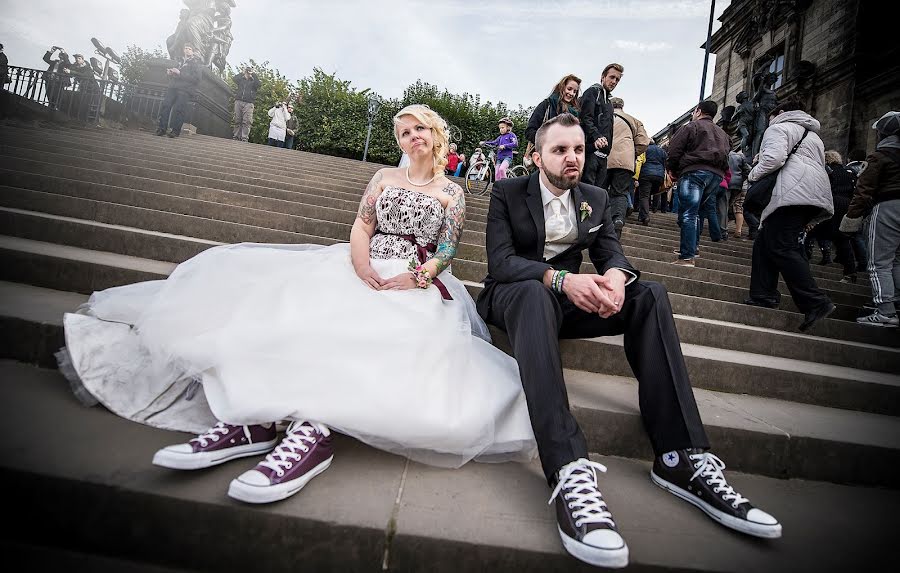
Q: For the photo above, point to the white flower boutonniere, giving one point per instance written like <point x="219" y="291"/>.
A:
<point x="586" y="210"/>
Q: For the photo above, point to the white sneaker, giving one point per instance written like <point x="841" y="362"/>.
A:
<point x="879" y="319"/>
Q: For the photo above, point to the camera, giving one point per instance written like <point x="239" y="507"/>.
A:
<point x="278" y="104"/>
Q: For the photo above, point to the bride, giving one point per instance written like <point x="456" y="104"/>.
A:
<point x="375" y="339"/>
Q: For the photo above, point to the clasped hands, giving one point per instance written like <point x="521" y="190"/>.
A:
<point x="598" y="294"/>
<point x="403" y="281"/>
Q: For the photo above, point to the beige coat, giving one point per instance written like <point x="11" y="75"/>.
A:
<point x="630" y="139"/>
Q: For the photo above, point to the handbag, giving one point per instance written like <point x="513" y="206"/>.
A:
<point x="759" y="193"/>
<point x="526" y="159"/>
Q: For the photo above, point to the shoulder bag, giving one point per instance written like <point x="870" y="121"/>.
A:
<point x="759" y="193"/>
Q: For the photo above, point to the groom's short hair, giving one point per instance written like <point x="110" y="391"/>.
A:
<point x="563" y="119"/>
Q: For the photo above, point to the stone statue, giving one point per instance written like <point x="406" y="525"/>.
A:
<point x="195" y="27"/>
<point x="743" y="120"/>
<point x="221" y="37"/>
<point x="764" y="101"/>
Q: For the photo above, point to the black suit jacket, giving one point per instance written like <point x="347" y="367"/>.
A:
<point x="515" y="236"/>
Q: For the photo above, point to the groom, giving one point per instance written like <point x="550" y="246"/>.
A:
<point x="537" y="229"/>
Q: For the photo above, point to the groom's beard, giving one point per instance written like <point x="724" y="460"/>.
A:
<point x="566" y="179"/>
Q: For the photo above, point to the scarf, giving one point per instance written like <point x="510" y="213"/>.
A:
<point x="891" y="141"/>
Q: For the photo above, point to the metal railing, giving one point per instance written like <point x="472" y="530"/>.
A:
<point x="84" y="99"/>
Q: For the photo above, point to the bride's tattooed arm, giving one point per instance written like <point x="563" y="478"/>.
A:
<point x="366" y="211"/>
<point x="362" y="231"/>
<point x="452" y="228"/>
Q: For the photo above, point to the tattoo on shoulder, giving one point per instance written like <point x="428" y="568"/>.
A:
<point x="370" y="197"/>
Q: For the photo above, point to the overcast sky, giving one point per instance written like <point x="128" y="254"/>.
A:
<point x="507" y="50"/>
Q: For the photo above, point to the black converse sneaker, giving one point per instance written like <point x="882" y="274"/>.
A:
<point x="696" y="476"/>
<point x="585" y="524"/>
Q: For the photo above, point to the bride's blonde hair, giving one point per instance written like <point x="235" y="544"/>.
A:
<point x="429" y="118"/>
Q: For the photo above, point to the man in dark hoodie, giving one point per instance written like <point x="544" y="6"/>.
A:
<point x="597" y="123"/>
<point x="182" y="83"/>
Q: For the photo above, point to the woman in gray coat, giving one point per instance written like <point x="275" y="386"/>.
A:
<point x="801" y="199"/>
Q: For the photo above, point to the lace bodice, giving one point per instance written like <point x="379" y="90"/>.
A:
<point x="400" y="211"/>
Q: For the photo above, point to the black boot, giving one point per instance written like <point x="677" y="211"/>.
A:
<point x="826" y="256"/>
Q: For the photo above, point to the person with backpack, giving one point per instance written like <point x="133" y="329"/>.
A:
<point x="563" y="99"/>
<point x="877" y="196"/>
<point x="650" y="180"/>
<point x="597" y="122"/>
<point x="630" y="139"/>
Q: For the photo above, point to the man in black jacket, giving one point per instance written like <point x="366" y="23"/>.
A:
<point x="597" y="123"/>
<point x="247" y="83"/>
<point x="183" y="81"/>
<point x="537" y="228"/>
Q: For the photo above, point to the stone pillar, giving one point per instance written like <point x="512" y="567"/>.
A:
<point x="209" y="111"/>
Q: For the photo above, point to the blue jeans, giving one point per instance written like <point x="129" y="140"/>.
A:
<point x="288" y="142"/>
<point x="710" y="210"/>
<point x="694" y="189"/>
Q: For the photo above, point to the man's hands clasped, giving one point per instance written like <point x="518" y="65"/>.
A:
<point x="600" y="294"/>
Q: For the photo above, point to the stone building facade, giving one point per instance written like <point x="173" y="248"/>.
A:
<point x="839" y="57"/>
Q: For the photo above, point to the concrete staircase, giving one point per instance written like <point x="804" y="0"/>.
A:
<point x="807" y="423"/>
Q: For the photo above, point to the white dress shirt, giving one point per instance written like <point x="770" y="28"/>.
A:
<point x="562" y="231"/>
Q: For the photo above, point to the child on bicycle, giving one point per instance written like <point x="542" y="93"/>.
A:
<point x="506" y="144"/>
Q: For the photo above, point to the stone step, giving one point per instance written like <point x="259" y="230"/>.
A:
<point x="474" y="224"/>
<point x="41" y="557"/>
<point x="242" y="160"/>
<point x="313" y="220"/>
<point x="77" y="269"/>
<point x="375" y="511"/>
<point x="211" y="152"/>
<point x="173" y="246"/>
<point x="713" y="368"/>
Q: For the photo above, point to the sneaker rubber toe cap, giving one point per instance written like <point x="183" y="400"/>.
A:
<point x="183" y="449"/>
<point x="254" y="478"/>
<point x="604" y="539"/>
<point x="761" y="517"/>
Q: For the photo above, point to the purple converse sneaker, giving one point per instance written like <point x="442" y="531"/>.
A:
<point x="696" y="477"/>
<point x="304" y="453"/>
<point x="217" y="445"/>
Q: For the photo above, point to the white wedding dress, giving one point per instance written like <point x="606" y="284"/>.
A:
<point x="254" y="333"/>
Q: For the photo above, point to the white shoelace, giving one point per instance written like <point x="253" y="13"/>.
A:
<point x="291" y="449"/>
<point x="585" y="498"/>
<point x="710" y="467"/>
<point x="212" y="434"/>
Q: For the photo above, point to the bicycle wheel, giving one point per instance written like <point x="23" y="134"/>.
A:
<point x="478" y="178"/>
<point x="517" y="171"/>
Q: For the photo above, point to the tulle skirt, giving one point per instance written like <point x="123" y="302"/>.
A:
<point x="255" y="333"/>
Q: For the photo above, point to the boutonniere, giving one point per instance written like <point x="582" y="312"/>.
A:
<point x="586" y="210"/>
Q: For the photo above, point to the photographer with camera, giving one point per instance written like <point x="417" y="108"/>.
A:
<point x="278" y="126"/>
<point x="55" y="80"/>
<point x="182" y="83"/>
<point x="247" y="84"/>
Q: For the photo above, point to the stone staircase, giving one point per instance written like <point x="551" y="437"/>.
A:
<point x="807" y="423"/>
